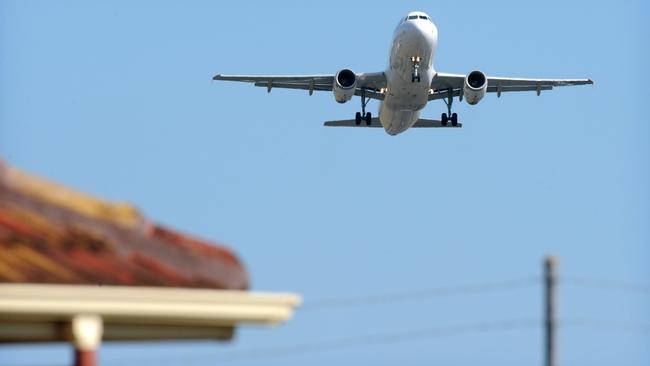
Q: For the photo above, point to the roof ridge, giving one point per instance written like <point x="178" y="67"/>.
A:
<point x="121" y="213"/>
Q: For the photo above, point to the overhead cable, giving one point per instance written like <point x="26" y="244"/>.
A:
<point x="420" y="294"/>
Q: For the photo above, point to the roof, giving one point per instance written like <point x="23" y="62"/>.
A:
<point x="53" y="234"/>
<point x="66" y="254"/>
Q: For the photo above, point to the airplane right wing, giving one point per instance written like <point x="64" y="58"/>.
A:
<point x="369" y="84"/>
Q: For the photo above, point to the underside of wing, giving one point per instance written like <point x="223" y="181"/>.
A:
<point x="521" y="82"/>
<point x="443" y="85"/>
<point x="369" y="85"/>
<point x="303" y="82"/>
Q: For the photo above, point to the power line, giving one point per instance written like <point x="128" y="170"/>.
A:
<point x="368" y="340"/>
<point x="603" y="324"/>
<point x="605" y="284"/>
<point x="357" y="341"/>
<point x="421" y="294"/>
<point x="385" y="338"/>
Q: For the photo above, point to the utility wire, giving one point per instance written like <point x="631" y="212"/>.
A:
<point x="604" y="284"/>
<point x="421" y="294"/>
<point x="385" y="338"/>
<point x="421" y="334"/>
<point x="351" y="342"/>
<point x="354" y="341"/>
<point x="602" y="324"/>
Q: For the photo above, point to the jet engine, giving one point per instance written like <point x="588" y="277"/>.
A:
<point x="475" y="87"/>
<point x="345" y="83"/>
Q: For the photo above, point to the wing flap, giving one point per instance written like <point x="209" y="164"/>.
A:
<point x="441" y="94"/>
<point x="303" y="86"/>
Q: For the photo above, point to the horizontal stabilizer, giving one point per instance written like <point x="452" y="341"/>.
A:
<point x="421" y="123"/>
<point x="430" y="123"/>
<point x="352" y="123"/>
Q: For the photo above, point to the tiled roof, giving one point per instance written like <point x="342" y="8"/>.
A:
<point x="52" y="234"/>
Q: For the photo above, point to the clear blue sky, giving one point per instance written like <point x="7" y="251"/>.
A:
<point x="116" y="98"/>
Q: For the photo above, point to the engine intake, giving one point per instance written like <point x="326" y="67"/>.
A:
<point x="345" y="83"/>
<point x="474" y="87"/>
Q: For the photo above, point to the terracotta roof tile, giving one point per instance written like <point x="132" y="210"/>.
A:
<point x="52" y="234"/>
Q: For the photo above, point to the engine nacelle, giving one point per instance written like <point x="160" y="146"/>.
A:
<point x="474" y="87"/>
<point x="345" y="83"/>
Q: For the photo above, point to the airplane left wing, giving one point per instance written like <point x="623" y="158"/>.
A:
<point x="444" y="83"/>
<point x="369" y="84"/>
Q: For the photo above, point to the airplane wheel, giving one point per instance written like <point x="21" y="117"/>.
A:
<point x="357" y="118"/>
<point x="444" y="119"/>
<point x="454" y="119"/>
<point x="368" y="119"/>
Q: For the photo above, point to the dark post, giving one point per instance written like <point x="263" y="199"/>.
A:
<point x="550" y="311"/>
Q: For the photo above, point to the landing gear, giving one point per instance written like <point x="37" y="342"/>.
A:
<point x="415" y="76"/>
<point x="366" y="117"/>
<point x="453" y="117"/>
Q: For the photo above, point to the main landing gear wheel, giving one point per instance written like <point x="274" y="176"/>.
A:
<point x="366" y="117"/>
<point x="453" y="117"/>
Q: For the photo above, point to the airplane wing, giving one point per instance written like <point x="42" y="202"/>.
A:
<point x="443" y="83"/>
<point x="369" y="84"/>
<point x="421" y="123"/>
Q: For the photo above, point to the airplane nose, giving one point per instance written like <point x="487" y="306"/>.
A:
<point x="425" y="30"/>
<point x="428" y="31"/>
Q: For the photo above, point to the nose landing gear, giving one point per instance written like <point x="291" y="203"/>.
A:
<point x="416" y="69"/>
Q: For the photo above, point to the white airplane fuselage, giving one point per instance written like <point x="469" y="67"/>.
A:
<point x="407" y="84"/>
<point x="404" y="98"/>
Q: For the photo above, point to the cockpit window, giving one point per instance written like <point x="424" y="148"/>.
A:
<point x="414" y="17"/>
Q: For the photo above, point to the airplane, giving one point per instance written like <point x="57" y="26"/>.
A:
<point x="409" y="82"/>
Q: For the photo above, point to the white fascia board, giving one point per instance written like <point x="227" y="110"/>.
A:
<point x="145" y="305"/>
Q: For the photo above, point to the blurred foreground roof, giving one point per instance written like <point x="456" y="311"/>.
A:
<point x="52" y="234"/>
